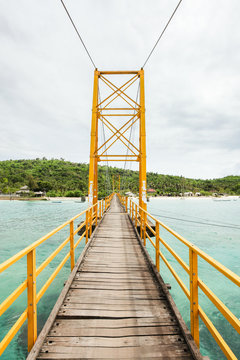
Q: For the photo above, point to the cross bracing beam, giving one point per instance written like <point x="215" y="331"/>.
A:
<point x="118" y="112"/>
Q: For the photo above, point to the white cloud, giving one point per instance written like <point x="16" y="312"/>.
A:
<point x="192" y="79"/>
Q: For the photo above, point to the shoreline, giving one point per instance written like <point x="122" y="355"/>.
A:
<point x="78" y="199"/>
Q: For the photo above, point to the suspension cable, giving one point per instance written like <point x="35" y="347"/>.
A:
<point x="107" y="180"/>
<point x="78" y="34"/>
<point x="198" y="222"/>
<point x="162" y="33"/>
<point x="130" y="136"/>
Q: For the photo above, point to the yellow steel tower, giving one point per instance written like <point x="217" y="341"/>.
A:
<point x="132" y="112"/>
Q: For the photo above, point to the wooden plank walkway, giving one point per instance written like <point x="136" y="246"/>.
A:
<point x="114" y="306"/>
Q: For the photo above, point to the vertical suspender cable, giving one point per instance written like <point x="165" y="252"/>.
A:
<point x="165" y="27"/>
<point x="70" y="18"/>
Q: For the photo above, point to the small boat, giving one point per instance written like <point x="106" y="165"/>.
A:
<point x="56" y="202"/>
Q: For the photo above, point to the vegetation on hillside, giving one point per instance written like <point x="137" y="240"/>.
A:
<point x="64" y="178"/>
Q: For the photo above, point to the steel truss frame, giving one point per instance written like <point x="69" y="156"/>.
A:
<point x="101" y="111"/>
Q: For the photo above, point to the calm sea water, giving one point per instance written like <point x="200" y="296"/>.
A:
<point x="21" y="223"/>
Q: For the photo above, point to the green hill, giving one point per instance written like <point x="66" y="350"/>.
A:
<point x="64" y="178"/>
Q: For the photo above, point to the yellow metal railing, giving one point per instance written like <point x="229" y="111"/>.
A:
<point x="142" y="219"/>
<point x="92" y="215"/>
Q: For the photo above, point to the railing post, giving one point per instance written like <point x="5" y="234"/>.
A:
<point x="91" y="213"/>
<point x="136" y="223"/>
<point x="96" y="210"/>
<point x="86" y="226"/>
<point x="32" y="303"/>
<point x="72" y="253"/>
<point x="144" y="227"/>
<point x="157" y="246"/>
<point x="126" y="204"/>
<point x="193" y="267"/>
<point x="141" y="224"/>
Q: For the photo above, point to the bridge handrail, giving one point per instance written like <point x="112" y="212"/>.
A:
<point x="139" y="218"/>
<point x="92" y="215"/>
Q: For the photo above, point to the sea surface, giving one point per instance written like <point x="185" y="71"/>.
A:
<point x="214" y="226"/>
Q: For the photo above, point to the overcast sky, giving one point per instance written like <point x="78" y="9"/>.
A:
<point x="192" y="79"/>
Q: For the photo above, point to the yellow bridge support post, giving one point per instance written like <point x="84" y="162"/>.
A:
<point x="92" y="187"/>
<point x="32" y="298"/>
<point x="142" y="136"/>
<point x="72" y="252"/>
<point x="193" y="267"/>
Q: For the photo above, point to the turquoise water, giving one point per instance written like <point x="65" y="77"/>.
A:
<point x="21" y="223"/>
<point x="222" y="243"/>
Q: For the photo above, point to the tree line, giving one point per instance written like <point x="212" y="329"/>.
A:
<point x="58" y="177"/>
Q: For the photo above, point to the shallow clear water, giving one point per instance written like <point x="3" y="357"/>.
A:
<point x="222" y="243"/>
<point x="22" y="222"/>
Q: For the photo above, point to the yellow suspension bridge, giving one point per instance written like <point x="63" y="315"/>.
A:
<point x="115" y="304"/>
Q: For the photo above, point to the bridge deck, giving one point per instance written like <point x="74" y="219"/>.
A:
<point x="114" y="306"/>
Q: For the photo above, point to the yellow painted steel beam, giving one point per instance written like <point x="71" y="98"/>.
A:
<point x="216" y="335"/>
<point x="133" y="122"/>
<point x="119" y="156"/>
<point x="12" y="332"/>
<point x="34" y="245"/>
<point x="174" y="254"/>
<point x="231" y="318"/>
<point x="30" y="283"/>
<point x="119" y="94"/>
<point x="105" y="122"/>
<point x="12" y="297"/>
<point x="118" y="72"/>
<point x="52" y="277"/>
<point x="216" y="264"/>
<point x="193" y="272"/>
<point x="119" y="89"/>
<point x="116" y="132"/>
<point x="116" y="88"/>
<point x="31" y="298"/>
<point x="110" y="124"/>
<point x="119" y="108"/>
<point x="92" y="196"/>
<point x="142" y="136"/>
<point x="51" y="257"/>
<point x="117" y="160"/>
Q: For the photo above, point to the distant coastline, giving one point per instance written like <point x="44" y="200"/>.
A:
<point x="152" y="198"/>
<point x="59" y="178"/>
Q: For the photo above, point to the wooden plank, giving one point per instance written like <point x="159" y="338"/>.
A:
<point x="107" y="301"/>
<point x="109" y="323"/>
<point x="120" y="294"/>
<point x="115" y="342"/>
<point x="119" y="307"/>
<point x="115" y="276"/>
<point x="116" y="354"/>
<point x="156" y="351"/>
<point x="114" y="307"/>
<point x="114" y="286"/>
<point x="115" y="332"/>
<point x="119" y="282"/>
